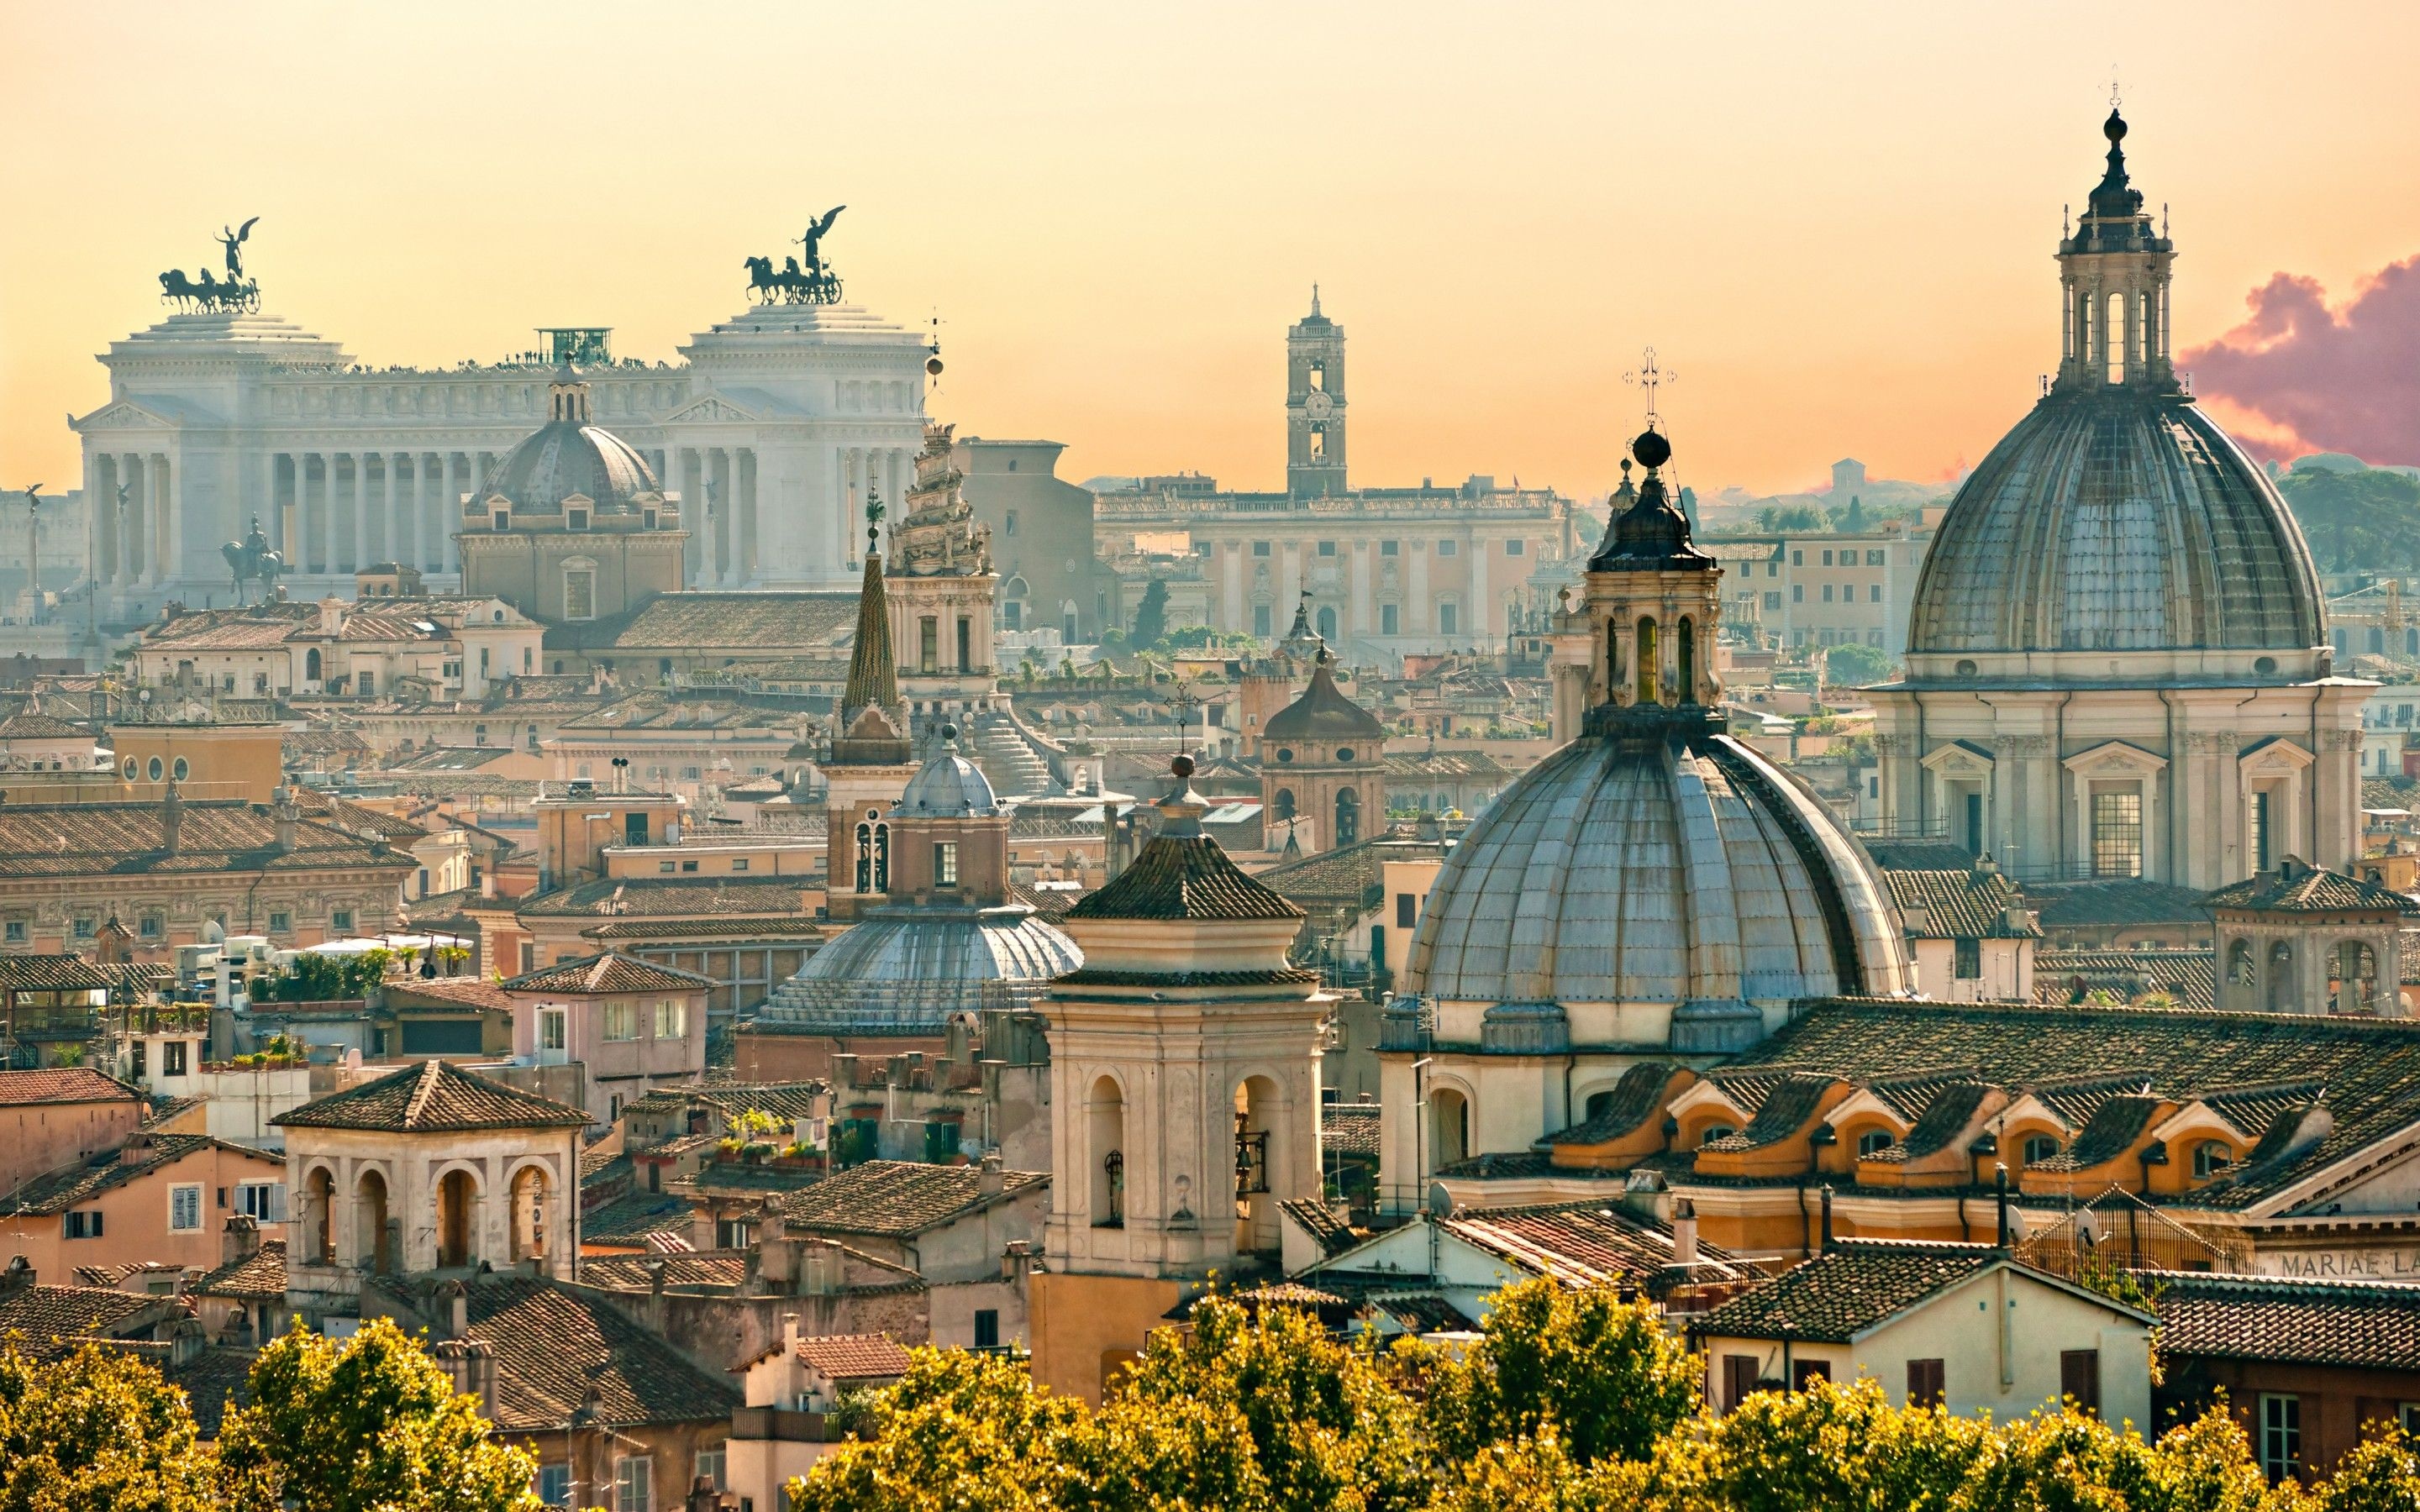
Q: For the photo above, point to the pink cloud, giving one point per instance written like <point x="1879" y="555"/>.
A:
<point x="2314" y="380"/>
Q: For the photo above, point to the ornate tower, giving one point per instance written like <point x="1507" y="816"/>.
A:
<point x="1315" y="404"/>
<point x="943" y="593"/>
<point x="871" y="755"/>
<point x="1651" y="605"/>
<point x="1323" y="764"/>
<point x="2113" y="279"/>
<point x="1184" y="1095"/>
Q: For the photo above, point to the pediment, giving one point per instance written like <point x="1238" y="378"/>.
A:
<point x="123" y="414"/>
<point x="2274" y="755"/>
<point x="2116" y="758"/>
<point x="1959" y="757"/>
<point x="709" y="409"/>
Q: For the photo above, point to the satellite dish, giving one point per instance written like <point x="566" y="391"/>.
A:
<point x="1440" y="1200"/>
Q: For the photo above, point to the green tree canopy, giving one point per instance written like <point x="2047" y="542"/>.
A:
<point x="2357" y="521"/>
<point x="1151" y="615"/>
<point x="1603" y="1374"/>
<point x="1854" y="666"/>
<point x="99" y="1432"/>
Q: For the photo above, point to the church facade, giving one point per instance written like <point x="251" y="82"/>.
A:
<point x="2117" y="661"/>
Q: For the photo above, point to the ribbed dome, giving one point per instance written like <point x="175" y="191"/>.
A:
<point x="2116" y="519"/>
<point x="906" y="970"/>
<point x="567" y="456"/>
<point x="947" y="786"/>
<point x="1323" y="713"/>
<point x="1636" y="871"/>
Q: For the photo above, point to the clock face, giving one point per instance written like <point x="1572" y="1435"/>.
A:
<point x="1318" y="404"/>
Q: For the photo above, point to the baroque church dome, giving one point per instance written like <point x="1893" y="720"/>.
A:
<point x="2116" y="515"/>
<point x="568" y="456"/>
<point x="1654" y="867"/>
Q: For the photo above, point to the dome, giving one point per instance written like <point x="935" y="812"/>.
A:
<point x="908" y="970"/>
<point x="1630" y="871"/>
<point x="947" y="786"/>
<point x="2116" y="518"/>
<point x="567" y="456"/>
<point x="1323" y="713"/>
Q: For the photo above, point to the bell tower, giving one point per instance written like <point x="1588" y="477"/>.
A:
<point x="2113" y="279"/>
<point x="1651" y="610"/>
<point x="1314" y="404"/>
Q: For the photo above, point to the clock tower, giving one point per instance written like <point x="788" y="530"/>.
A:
<point x="1314" y="404"/>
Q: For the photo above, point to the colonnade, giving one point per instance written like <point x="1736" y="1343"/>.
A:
<point x="135" y="517"/>
<point x="342" y="511"/>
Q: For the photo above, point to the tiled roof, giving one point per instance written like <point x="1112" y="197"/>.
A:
<point x="1917" y="855"/>
<point x="53" y="1322"/>
<point x="799" y="928"/>
<point x="616" y="897"/>
<point x="434" y="1096"/>
<point x="1585" y="1243"/>
<point x="26" y="725"/>
<point x="854" y="1357"/>
<point x="1444" y="764"/>
<point x="1183" y="879"/>
<point x="2362" y="1325"/>
<point x="1423" y="1311"/>
<point x="1349" y="875"/>
<point x="1632" y="1100"/>
<point x="553" y="1345"/>
<point x="2115" y="1125"/>
<point x="2102" y="904"/>
<point x="464" y="992"/>
<point x="1962" y="904"/>
<point x="689" y="621"/>
<point x="608" y="973"/>
<point x="630" y="1218"/>
<point x="2189" y="976"/>
<point x="1847" y="1289"/>
<point x="57" y="1191"/>
<point x="258" y="1277"/>
<point x="75" y="1083"/>
<point x="1349" y="1128"/>
<point x="659" y="712"/>
<point x="1942" y="1120"/>
<point x="2308" y="889"/>
<point x="893" y="1198"/>
<point x="1784" y="1111"/>
<point x="1333" y="1234"/>
<point x="722" y="1270"/>
<point x="50" y="973"/>
<point x="129" y="839"/>
<point x="2370" y="1067"/>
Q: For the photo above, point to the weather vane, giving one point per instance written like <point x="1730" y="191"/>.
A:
<point x="1650" y="377"/>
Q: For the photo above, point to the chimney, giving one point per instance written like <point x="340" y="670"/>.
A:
<point x="186" y="1338"/>
<point x="458" y="1300"/>
<point x="17" y="1278"/>
<point x="789" y="1335"/>
<point x="1827" y="1215"/>
<point x="1684" y="1231"/>
<point x="172" y="817"/>
<point x="241" y="1240"/>
<point x="990" y="1180"/>
<point x="479" y="1363"/>
<point x="287" y="814"/>
<point x="1016" y="1258"/>
<point x="2000" y="1200"/>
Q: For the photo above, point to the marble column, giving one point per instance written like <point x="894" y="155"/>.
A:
<point x="360" y="556"/>
<point x="391" y="527"/>
<point x="156" y="559"/>
<point x="449" y="505"/>
<point x="1481" y="612"/>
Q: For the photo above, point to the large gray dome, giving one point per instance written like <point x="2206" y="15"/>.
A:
<point x="906" y="971"/>
<point x="2113" y="518"/>
<point x="1629" y="871"/>
<point x="568" y="456"/>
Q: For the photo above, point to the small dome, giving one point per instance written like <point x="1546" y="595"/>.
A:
<point x="909" y="970"/>
<point x="568" y="456"/>
<point x="947" y="786"/>
<point x="1323" y="713"/>
<point x="2116" y="519"/>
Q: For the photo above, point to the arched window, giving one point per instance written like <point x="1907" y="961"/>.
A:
<point x="882" y="857"/>
<point x="1686" y="649"/>
<point x="1108" y="1119"/>
<point x="1612" y="660"/>
<point x="1873" y="1142"/>
<point x="1449" y="1128"/>
<point x="1327" y="623"/>
<point x="321" y="1199"/>
<point x="371" y="1245"/>
<point x="2112" y="338"/>
<point x="2355" y="987"/>
<point x="865" y="857"/>
<point x="1647" y="657"/>
<point x="311" y="664"/>
<point x="2211" y="1158"/>
<point x="2242" y="971"/>
<point x="1282" y="804"/>
<point x="1258" y="1152"/>
<point x="1348" y="816"/>
<point x="530" y="1193"/>
<point x="1714" y="1132"/>
<point x="2040" y="1148"/>
<point x="2281" y="978"/>
<point x="457" y="1195"/>
<point x="1597" y="1103"/>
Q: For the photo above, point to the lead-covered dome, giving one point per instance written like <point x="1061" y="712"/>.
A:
<point x="907" y="971"/>
<point x="2116" y="518"/>
<point x="568" y="456"/>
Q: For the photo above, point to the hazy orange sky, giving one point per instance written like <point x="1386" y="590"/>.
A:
<point x="1834" y="222"/>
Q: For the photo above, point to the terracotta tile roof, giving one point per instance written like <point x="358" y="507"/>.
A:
<point x="690" y="622"/>
<point x="462" y="992"/>
<point x="1445" y="764"/>
<point x="2115" y="1125"/>
<point x="1423" y="1311"/>
<point x="796" y="928"/>
<point x="432" y="1097"/>
<point x="51" y="1322"/>
<point x="1585" y="1243"/>
<point x="125" y="838"/>
<point x="1917" y="855"/>
<point x="608" y="973"/>
<point x="1349" y="1128"/>
<point x="1183" y="879"/>
<point x="616" y="897"/>
<point x="2308" y="889"/>
<point x="1963" y="904"/>
<point x="1334" y="1235"/>
<point x="260" y="627"/>
<point x="77" y="1084"/>
<point x="630" y="1218"/>
<point x="2078" y="1058"/>
<point x="2189" y="976"/>
<point x="1626" y="1107"/>
<point x="360" y="819"/>
<point x="660" y="711"/>
<point x="2371" y="1325"/>
<point x="1944" y="1119"/>
<point x="717" y="1272"/>
<point x="551" y="1345"/>
<point x="1847" y="1289"/>
<point x="50" y="973"/>
<point x="895" y="1198"/>
<point x="259" y="1277"/>
<point x="782" y="1099"/>
<point x="26" y="725"/>
<point x="57" y="1191"/>
<point x="2102" y="904"/>
<point x="1784" y="1111"/>
<point x="854" y="1357"/>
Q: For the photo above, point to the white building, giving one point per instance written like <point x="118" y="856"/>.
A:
<point x="771" y="430"/>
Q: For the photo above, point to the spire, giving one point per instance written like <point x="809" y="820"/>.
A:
<point x="1314" y="301"/>
<point x="873" y="673"/>
<point x="2115" y="197"/>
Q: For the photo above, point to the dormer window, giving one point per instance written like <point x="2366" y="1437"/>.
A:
<point x="575" y="519"/>
<point x="649" y="516"/>
<point x="500" y="519"/>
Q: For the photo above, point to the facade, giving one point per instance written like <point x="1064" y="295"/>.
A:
<point x="1041" y="537"/>
<point x="434" y="648"/>
<point x="1652" y="883"/>
<point x="153" y="1199"/>
<point x="1969" y="933"/>
<point x="630" y="1027"/>
<point x="2302" y="940"/>
<point x="771" y="431"/>
<point x="941" y="591"/>
<point x="1819" y="590"/>
<point x="2117" y="664"/>
<point x="64" y="1117"/>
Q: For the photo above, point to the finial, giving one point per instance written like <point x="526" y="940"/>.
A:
<point x="1182" y="766"/>
<point x="2113" y="89"/>
<point x="1314" y="300"/>
<point x="1651" y="450"/>
<point x="1650" y="377"/>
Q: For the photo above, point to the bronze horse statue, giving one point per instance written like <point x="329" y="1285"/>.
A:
<point x="208" y="292"/>
<point x="252" y="559"/>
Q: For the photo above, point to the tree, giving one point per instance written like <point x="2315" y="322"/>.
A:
<point x="2356" y="520"/>
<point x="966" y="1432"/>
<point x="97" y="1432"/>
<point x="1601" y="1373"/>
<point x="1853" y="665"/>
<point x="369" y="1423"/>
<point x="1151" y="615"/>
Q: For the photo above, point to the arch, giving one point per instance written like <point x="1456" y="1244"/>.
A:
<point x="1448" y="1127"/>
<point x="1282" y="804"/>
<point x="1259" y="1149"/>
<point x="531" y="1195"/>
<point x="2241" y="970"/>
<point x="2112" y="338"/>
<point x="1873" y="1142"/>
<point x="2210" y="1159"/>
<point x="1105" y="1116"/>
<point x="881" y="857"/>
<point x="1647" y="654"/>
<point x="319" y="1209"/>
<point x="1326" y="622"/>
<point x="2352" y="984"/>
<point x="1348" y="818"/>
<point x="458" y="1203"/>
<point x="372" y="1244"/>
<point x="2038" y="1146"/>
<point x="1595" y="1103"/>
<point x="2281" y="978"/>
<point x="864" y="857"/>
<point x="1684" y="647"/>
<point x="311" y="664"/>
<point x="1613" y="660"/>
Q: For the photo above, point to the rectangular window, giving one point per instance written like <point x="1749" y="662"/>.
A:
<point x="1970" y="960"/>
<point x="1447" y="548"/>
<point x="529" y="956"/>
<point x="554" y="1485"/>
<point x="1827" y="593"/>
<point x="1448" y="618"/>
<point x="280" y="922"/>
<point x="1798" y="592"/>
<point x="550" y="1028"/>
<point x="928" y="644"/>
<point x="1803" y="1371"/>
<point x="2281" y="1435"/>
<point x="688" y="865"/>
<point x="945" y="863"/>
<point x="965" y="644"/>
<point x="986" y="1328"/>
<point x="1873" y="558"/>
<point x="739" y="863"/>
<point x="16" y="931"/>
<point x="1390" y="548"/>
<point x="1514" y="548"/>
<point x="1740" y="1374"/>
<point x="172" y="1057"/>
<point x="621" y="1021"/>
<point x="1407" y="910"/>
<point x="1798" y="559"/>
<point x="1773" y="601"/>
<point x="1327" y="548"/>
<point x="1873" y="592"/>
<point x="184" y="1210"/>
<point x="85" y="928"/>
<point x="579" y="595"/>
<point x="666" y="865"/>
<point x="1827" y="558"/>
<point x="1260" y="548"/>
<point x="1390" y="620"/>
<point x="2079" y="1379"/>
<point x="87" y="1223"/>
<point x="341" y="920"/>
<point x="632" y="1478"/>
<point x="1261" y="619"/>
<point x="2260" y="833"/>
<point x="709" y="1467"/>
<point x="152" y="927"/>
<point x="2117" y="834"/>
<point x="1924" y="1383"/>
<point x="264" y="1201"/>
<point x="672" y="1019"/>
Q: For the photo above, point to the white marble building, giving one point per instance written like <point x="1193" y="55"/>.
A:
<point x="771" y="430"/>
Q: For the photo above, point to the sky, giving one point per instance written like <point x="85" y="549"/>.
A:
<point x="1834" y="221"/>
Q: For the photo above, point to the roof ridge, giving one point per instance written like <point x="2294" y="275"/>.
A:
<point x="426" y="1088"/>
